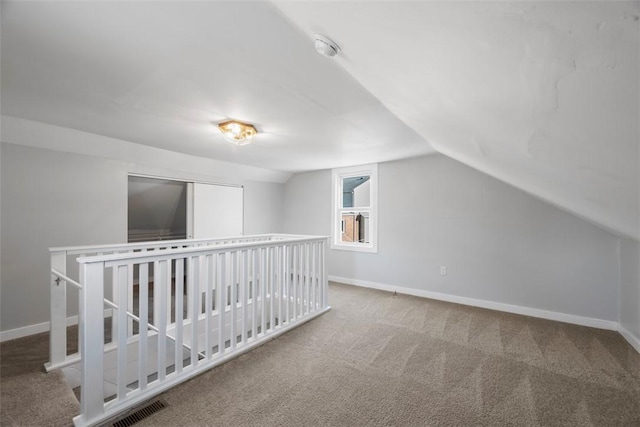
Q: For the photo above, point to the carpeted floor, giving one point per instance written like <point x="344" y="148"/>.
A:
<point x="378" y="359"/>
<point x="28" y="395"/>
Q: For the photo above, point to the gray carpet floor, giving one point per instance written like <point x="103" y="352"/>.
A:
<point x="381" y="360"/>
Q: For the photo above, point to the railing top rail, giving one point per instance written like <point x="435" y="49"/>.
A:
<point x="77" y="250"/>
<point x="140" y="257"/>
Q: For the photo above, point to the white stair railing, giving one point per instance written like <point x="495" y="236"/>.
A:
<point x="63" y="264"/>
<point x="210" y="303"/>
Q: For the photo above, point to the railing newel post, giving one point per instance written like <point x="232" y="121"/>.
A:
<point x="92" y="341"/>
<point x="58" y="315"/>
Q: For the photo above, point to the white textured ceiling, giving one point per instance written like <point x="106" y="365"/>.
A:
<point x="159" y="73"/>
<point x="541" y="95"/>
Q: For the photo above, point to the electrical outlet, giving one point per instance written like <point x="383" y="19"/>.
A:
<point x="443" y="270"/>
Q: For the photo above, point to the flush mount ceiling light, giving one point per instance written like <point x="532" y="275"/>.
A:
<point x="325" y="46"/>
<point x="237" y="132"/>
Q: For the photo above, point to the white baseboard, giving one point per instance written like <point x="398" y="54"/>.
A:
<point x="38" y="328"/>
<point x="509" y="308"/>
<point x="25" y="331"/>
<point x="632" y="339"/>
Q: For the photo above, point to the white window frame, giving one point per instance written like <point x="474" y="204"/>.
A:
<point x="337" y="175"/>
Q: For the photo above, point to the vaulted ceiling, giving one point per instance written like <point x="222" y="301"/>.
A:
<point x="542" y="95"/>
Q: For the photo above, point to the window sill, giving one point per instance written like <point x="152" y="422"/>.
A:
<point x="354" y="248"/>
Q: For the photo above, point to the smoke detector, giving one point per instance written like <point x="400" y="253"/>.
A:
<point x="325" y="46"/>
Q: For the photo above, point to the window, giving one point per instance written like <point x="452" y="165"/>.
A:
<point x="355" y="208"/>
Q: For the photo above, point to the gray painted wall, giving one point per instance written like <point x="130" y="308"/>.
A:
<point x="263" y="207"/>
<point x="630" y="287"/>
<point x="50" y="198"/>
<point x="498" y="243"/>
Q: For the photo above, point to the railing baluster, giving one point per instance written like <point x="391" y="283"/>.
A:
<point x="302" y="279"/>
<point x="114" y="297"/>
<point x="280" y="286"/>
<point x="263" y="289"/>
<point x="169" y="289"/>
<point x="121" y="282"/>
<point x="310" y="273"/>
<point x="216" y="288"/>
<point x="189" y="272"/>
<point x="222" y="307"/>
<point x="208" y="306"/>
<point x="270" y="283"/>
<point x="233" y="302"/>
<point x="294" y="278"/>
<point x="143" y="327"/>
<point x="324" y="281"/>
<point x="275" y="275"/>
<point x="162" y="280"/>
<point x="254" y="294"/>
<point x="244" y="298"/>
<point x="321" y="275"/>
<point x="314" y="277"/>
<point x="307" y="274"/>
<point x="286" y="276"/>
<point x="193" y="296"/>
<point x="179" y="314"/>
<point x="153" y="278"/>
<point x="130" y="299"/>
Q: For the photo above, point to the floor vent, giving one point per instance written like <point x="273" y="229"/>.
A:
<point x="140" y="414"/>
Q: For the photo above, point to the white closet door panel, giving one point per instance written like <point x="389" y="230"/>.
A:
<point x="217" y="211"/>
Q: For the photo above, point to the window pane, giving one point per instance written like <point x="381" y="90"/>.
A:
<point x="356" y="192"/>
<point x="355" y="227"/>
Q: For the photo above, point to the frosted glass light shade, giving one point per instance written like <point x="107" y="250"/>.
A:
<point x="237" y="132"/>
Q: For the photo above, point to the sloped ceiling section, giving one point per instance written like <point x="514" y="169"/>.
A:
<point x="542" y="95"/>
<point x="163" y="73"/>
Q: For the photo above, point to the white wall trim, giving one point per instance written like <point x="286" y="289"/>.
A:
<point x="632" y="339"/>
<point x="38" y="328"/>
<point x="25" y="331"/>
<point x="509" y="308"/>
